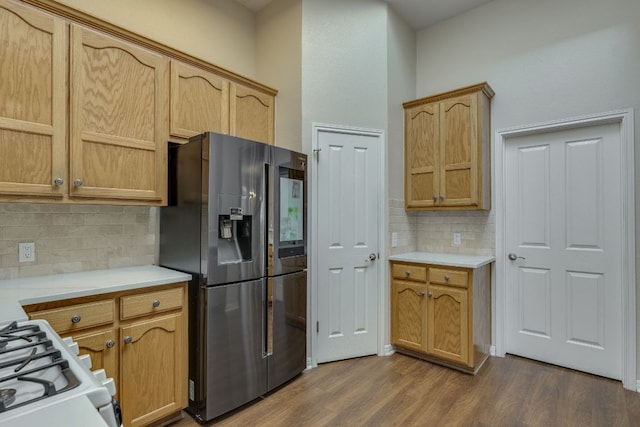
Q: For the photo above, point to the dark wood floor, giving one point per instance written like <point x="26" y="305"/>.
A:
<point x="402" y="391"/>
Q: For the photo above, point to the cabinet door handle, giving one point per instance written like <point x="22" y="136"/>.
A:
<point x="435" y="198"/>
<point x="422" y="294"/>
<point x="77" y="182"/>
<point x="407" y="273"/>
<point x="111" y="343"/>
<point x="429" y="294"/>
<point x="446" y="278"/>
<point x="128" y="340"/>
<point x="441" y="197"/>
<point x="76" y="318"/>
<point x="156" y="303"/>
<point x="58" y="182"/>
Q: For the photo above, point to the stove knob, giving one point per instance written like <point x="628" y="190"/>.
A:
<point x="73" y="347"/>
<point x="100" y="374"/>
<point x="110" y="385"/>
<point x="86" y="360"/>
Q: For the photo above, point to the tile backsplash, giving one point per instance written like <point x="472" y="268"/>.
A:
<point x="71" y="238"/>
<point x="432" y="231"/>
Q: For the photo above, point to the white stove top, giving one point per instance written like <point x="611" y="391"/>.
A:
<point x="38" y="372"/>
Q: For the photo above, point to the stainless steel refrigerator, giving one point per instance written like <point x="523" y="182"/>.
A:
<point x="236" y="220"/>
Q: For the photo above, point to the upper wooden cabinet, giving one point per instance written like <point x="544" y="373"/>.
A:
<point x="447" y="150"/>
<point x="87" y="108"/>
<point x="33" y="88"/>
<point x="199" y="102"/>
<point x="251" y="114"/>
<point x="119" y="95"/>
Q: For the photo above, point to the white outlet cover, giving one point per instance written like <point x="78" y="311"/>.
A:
<point x="394" y="240"/>
<point x="457" y="239"/>
<point x="27" y="252"/>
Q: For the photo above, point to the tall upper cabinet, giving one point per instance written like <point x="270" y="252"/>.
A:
<point x="119" y="96"/>
<point x="33" y="88"/>
<point x="447" y="150"/>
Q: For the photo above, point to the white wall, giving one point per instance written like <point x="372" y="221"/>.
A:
<point x="279" y="65"/>
<point x="218" y="31"/>
<point x="545" y="59"/>
<point x="344" y="64"/>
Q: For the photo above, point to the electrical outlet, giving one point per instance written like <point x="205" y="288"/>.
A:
<point x="27" y="252"/>
<point x="457" y="239"/>
<point x="394" y="240"/>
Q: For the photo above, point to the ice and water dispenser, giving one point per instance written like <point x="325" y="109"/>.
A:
<point x="234" y="235"/>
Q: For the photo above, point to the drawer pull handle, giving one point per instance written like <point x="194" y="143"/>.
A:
<point x="76" y="318"/>
<point x="407" y="273"/>
<point x="156" y="303"/>
<point x="111" y="343"/>
<point x="446" y="278"/>
<point x="58" y="182"/>
<point x="128" y="340"/>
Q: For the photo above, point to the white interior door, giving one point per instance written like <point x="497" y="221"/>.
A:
<point x="348" y="227"/>
<point x="563" y="219"/>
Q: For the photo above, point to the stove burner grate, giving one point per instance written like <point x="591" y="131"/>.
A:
<point x="7" y="397"/>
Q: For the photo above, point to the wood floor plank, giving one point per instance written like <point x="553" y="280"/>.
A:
<point x="400" y="390"/>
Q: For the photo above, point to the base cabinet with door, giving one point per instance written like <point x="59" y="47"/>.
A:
<point x="447" y="150"/>
<point x="139" y="337"/>
<point x="442" y="312"/>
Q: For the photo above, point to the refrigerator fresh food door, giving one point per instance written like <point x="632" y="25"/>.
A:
<point x="287" y="212"/>
<point x="234" y="175"/>
<point x="287" y="319"/>
<point x="236" y="366"/>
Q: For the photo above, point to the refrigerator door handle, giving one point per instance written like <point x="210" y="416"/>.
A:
<point x="267" y="319"/>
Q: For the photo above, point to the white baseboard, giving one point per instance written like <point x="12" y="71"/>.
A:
<point x="388" y="350"/>
<point x="309" y="365"/>
<point x="492" y="350"/>
<point x="638" y="386"/>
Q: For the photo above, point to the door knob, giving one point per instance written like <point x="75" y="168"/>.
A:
<point x="372" y="257"/>
<point x="512" y="256"/>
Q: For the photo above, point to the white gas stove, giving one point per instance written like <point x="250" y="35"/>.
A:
<point x="43" y="380"/>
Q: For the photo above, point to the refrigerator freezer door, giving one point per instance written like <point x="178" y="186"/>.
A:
<point x="234" y="187"/>
<point x="288" y="323"/>
<point x="236" y="366"/>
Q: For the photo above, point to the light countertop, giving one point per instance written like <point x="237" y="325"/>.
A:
<point x="453" y="260"/>
<point x="18" y="292"/>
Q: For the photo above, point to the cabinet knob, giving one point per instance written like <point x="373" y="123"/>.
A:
<point x="407" y="273"/>
<point x="111" y="343"/>
<point x="128" y="340"/>
<point x="77" y="182"/>
<point x="422" y="294"/>
<point x="446" y="278"/>
<point x="435" y="198"/>
<point x="429" y="294"/>
<point x="75" y="318"/>
<point x="58" y="182"/>
<point x="441" y="197"/>
<point x="156" y="303"/>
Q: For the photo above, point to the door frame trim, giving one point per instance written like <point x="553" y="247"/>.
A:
<point x="628" y="273"/>
<point x="383" y="296"/>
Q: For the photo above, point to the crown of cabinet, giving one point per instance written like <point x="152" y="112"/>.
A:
<point x="447" y="150"/>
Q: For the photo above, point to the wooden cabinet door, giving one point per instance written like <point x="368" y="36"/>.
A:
<point x="459" y="151"/>
<point x="408" y="315"/>
<point x="33" y="84"/>
<point x="422" y="178"/>
<point x="448" y="327"/>
<point x="101" y="346"/>
<point x="251" y="114"/>
<point x="119" y="127"/>
<point x="199" y="101"/>
<point x="152" y="374"/>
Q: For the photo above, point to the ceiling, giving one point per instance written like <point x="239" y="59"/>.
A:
<point x="418" y="13"/>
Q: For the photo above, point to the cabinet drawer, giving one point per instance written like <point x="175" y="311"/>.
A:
<point x="448" y="277"/>
<point x="150" y="302"/>
<point x="410" y="272"/>
<point x="77" y="317"/>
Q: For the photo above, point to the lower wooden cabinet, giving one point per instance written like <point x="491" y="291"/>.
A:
<point x="441" y="313"/>
<point x="139" y="337"/>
